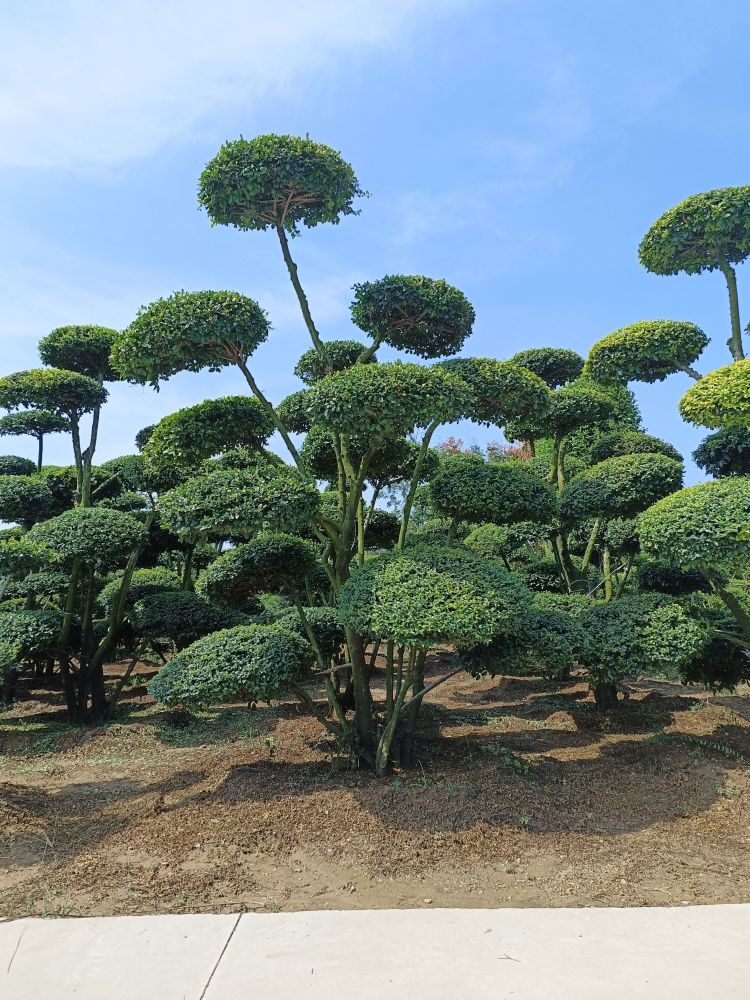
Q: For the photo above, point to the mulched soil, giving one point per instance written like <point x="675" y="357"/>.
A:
<point x="523" y="796"/>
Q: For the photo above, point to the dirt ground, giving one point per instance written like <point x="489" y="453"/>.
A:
<point x="524" y="796"/>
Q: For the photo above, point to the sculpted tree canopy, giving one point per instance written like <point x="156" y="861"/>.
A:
<point x="65" y="393"/>
<point x="705" y="232"/>
<point x="720" y="399"/>
<point x="391" y="399"/>
<point x="620" y="486"/>
<point x="554" y="365"/>
<point x="82" y="349"/>
<point x="189" y="331"/>
<point x="646" y="352"/>
<point x="188" y="436"/>
<point x="501" y="391"/>
<point x="412" y="313"/>
<point x="277" y="180"/>
<point x="726" y="452"/>
<point x="335" y="356"/>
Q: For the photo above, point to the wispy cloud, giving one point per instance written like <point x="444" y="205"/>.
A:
<point x="534" y="152"/>
<point x="90" y="85"/>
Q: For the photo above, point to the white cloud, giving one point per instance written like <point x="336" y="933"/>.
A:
<point x="90" y="85"/>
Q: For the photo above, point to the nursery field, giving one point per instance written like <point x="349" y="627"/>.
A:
<point x="523" y="795"/>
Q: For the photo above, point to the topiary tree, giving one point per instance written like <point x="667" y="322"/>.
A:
<point x="82" y="349"/>
<point x="86" y="540"/>
<point x="648" y="351"/>
<point x="334" y="356"/>
<point x="34" y="423"/>
<point x="412" y="313"/>
<point x="705" y="232"/>
<point x="421" y="597"/>
<point x="704" y="527"/>
<point x="279" y="182"/>
<point x="25" y="500"/>
<point x="501" y="391"/>
<point x="636" y="634"/>
<point x="621" y="486"/>
<point x="466" y="488"/>
<point x="720" y="399"/>
<point x="26" y="637"/>
<point x="186" y="438"/>
<point x="67" y="394"/>
<point x="725" y="452"/>
<point x="247" y="662"/>
<point x="14" y="465"/>
<point x="143" y="583"/>
<point x="626" y="442"/>
<point x="554" y="365"/>
<point x="179" y="617"/>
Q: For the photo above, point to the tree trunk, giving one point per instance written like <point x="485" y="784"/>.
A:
<point x="363" y="707"/>
<point x="605" y="696"/>
<point x="39" y="452"/>
<point x="735" y="340"/>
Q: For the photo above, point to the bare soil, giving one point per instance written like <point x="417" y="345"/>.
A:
<point x="524" y="796"/>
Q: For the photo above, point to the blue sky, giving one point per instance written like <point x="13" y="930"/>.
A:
<point x="517" y="148"/>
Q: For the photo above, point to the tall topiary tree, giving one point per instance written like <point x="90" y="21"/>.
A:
<point x="34" y="423"/>
<point x="705" y="232"/>
<point x="279" y="182"/>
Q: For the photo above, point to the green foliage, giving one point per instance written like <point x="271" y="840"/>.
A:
<point x="620" y="487"/>
<point x="393" y="462"/>
<point x="582" y="403"/>
<point x="128" y="501"/>
<point x="43" y="583"/>
<point x="648" y="351"/>
<point x="143" y="435"/>
<point x="383" y="528"/>
<point x="143" y="583"/>
<point x="179" y="616"/>
<point x="390" y="399"/>
<point x="666" y="578"/>
<point x="25" y="499"/>
<point x="621" y="535"/>
<point x="554" y="365"/>
<point x="636" y="634"/>
<point x="14" y="465"/>
<point x="266" y="563"/>
<point x="694" y="235"/>
<point x="189" y="331"/>
<point x="233" y="503"/>
<point x="720" y="665"/>
<point x="541" y="575"/>
<point x="470" y="489"/>
<point x="82" y="349"/>
<point x="129" y="470"/>
<point x="547" y="642"/>
<point x="61" y="392"/>
<point x="294" y="411"/>
<point x="277" y="181"/>
<point x="507" y="541"/>
<point x="29" y="635"/>
<point x="707" y="525"/>
<point x="725" y="452"/>
<point x="20" y="555"/>
<point x="190" y="435"/>
<point x="248" y="662"/>
<point x="631" y="443"/>
<point x="326" y="626"/>
<point x="419" y="315"/>
<point x="336" y="356"/>
<point x="720" y="399"/>
<point x="92" y="535"/>
<point x="501" y="391"/>
<point x="35" y="423"/>
<point x="428" y="595"/>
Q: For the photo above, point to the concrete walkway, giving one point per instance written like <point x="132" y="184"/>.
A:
<point x="684" y="953"/>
